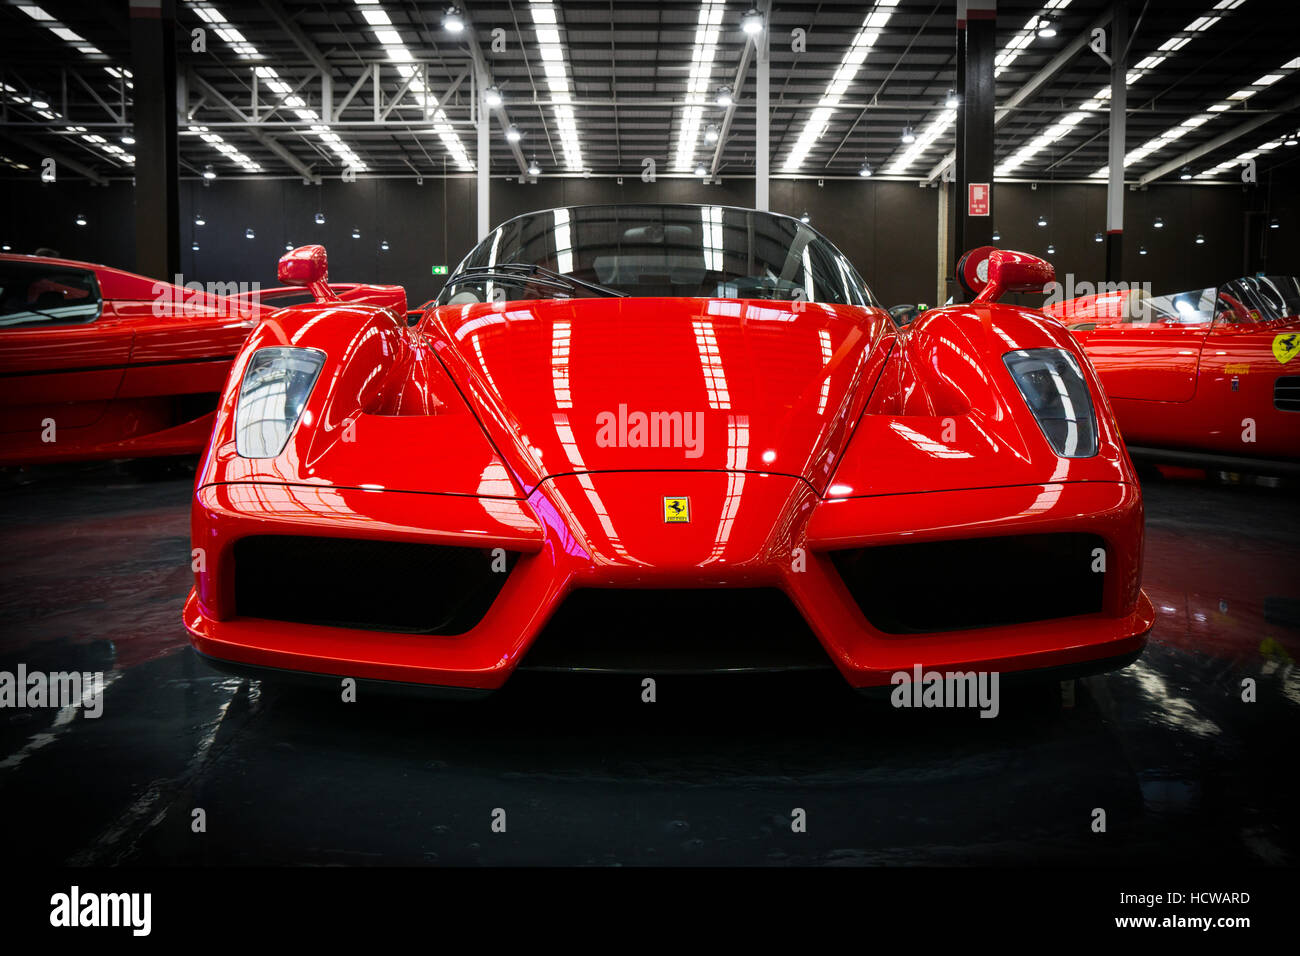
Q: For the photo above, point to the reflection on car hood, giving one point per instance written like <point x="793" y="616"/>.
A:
<point x="581" y="385"/>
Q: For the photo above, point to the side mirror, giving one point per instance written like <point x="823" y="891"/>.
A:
<point x="306" y="266"/>
<point x="1010" y="271"/>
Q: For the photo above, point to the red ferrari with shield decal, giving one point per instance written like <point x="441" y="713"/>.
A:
<point x="1202" y="376"/>
<point x="100" y="363"/>
<point x="663" y="438"/>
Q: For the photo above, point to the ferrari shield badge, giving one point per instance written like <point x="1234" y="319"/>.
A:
<point x="677" y="510"/>
<point x="1285" y="346"/>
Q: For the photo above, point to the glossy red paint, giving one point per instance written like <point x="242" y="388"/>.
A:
<point x="1010" y="271"/>
<point x="820" y="427"/>
<point x="140" y="380"/>
<point x="1189" y="385"/>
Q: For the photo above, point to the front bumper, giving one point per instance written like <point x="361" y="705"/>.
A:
<point x="747" y="531"/>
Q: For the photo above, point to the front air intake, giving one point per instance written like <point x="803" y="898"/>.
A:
<point x="1286" y="393"/>
<point x="975" y="582"/>
<point x="367" y="585"/>
<point x="648" y="631"/>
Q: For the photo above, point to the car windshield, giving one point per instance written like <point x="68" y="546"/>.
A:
<point x="655" y="250"/>
<point x="1241" y="301"/>
<point x="1259" y="299"/>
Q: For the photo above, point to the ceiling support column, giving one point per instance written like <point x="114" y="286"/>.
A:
<point x="1115" y="147"/>
<point x="762" y="115"/>
<point x="976" y="37"/>
<point x="157" y="170"/>
<point x="483" y="163"/>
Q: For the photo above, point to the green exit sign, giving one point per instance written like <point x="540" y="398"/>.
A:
<point x="440" y="270"/>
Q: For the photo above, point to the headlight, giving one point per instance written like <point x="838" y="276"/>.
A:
<point x="1056" y="392"/>
<point x="271" y="396"/>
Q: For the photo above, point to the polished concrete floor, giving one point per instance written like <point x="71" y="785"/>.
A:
<point x="94" y="563"/>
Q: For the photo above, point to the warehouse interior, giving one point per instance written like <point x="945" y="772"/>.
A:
<point x="1151" y="142"/>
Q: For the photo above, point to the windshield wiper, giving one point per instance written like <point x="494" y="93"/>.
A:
<point x="516" y="269"/>
<point x="474" y="275"/>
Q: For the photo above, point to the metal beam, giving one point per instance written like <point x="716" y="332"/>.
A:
<point x="763" y="112"/>
<point x="483" y="165"/>
<point x="484" y="74"/>
<point x="270" y="143"/>
<point x="1035" y="83"/>
<point x="736" y="84"/>
<point x="44" y="152"/>
<point x="1222" y="139"/>
<point x="296" y="34"/>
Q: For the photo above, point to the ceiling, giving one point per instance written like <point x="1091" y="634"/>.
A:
<point x="625" y="87"/>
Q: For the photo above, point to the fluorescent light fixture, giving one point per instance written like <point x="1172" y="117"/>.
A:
<point x="452" y="21"/>
<point x="1157" y="143"/>
<point x="381" y="27"/>
<point x="752" y="22"/>
<point x="557" y="73"/>
<point x="492" y="97"/>
<point x="843" y="78"/>
<point x="707" y="30"/>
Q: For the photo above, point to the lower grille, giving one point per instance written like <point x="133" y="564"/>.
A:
<point x="1286" y="393"/>
<point x="369" y="585"/>
<point x="976" y="582"/>
<point x="676" y="631"/>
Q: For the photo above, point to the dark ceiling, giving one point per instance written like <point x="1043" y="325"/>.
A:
<point x="630" y="64"/>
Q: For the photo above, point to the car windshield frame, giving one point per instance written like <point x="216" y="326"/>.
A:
<point x="656" y="250"/>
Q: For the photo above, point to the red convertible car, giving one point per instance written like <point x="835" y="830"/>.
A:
<point x="1202" y="376"/>
<point x="100" y="363"/>
<point x="663" y="438"/>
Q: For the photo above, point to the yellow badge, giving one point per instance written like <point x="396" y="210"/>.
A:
<point x="1285" y="346"/>
<point x="677" y="510"/>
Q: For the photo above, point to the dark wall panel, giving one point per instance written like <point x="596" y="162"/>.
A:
<point x="888" y="229"/>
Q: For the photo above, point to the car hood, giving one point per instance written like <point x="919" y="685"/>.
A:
<point x="568" y="386"/>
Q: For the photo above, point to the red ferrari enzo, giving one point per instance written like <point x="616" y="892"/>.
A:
<point x="1199" y="376"/>
<point x="654" y="438"/>
<point x="100" y="363"/>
